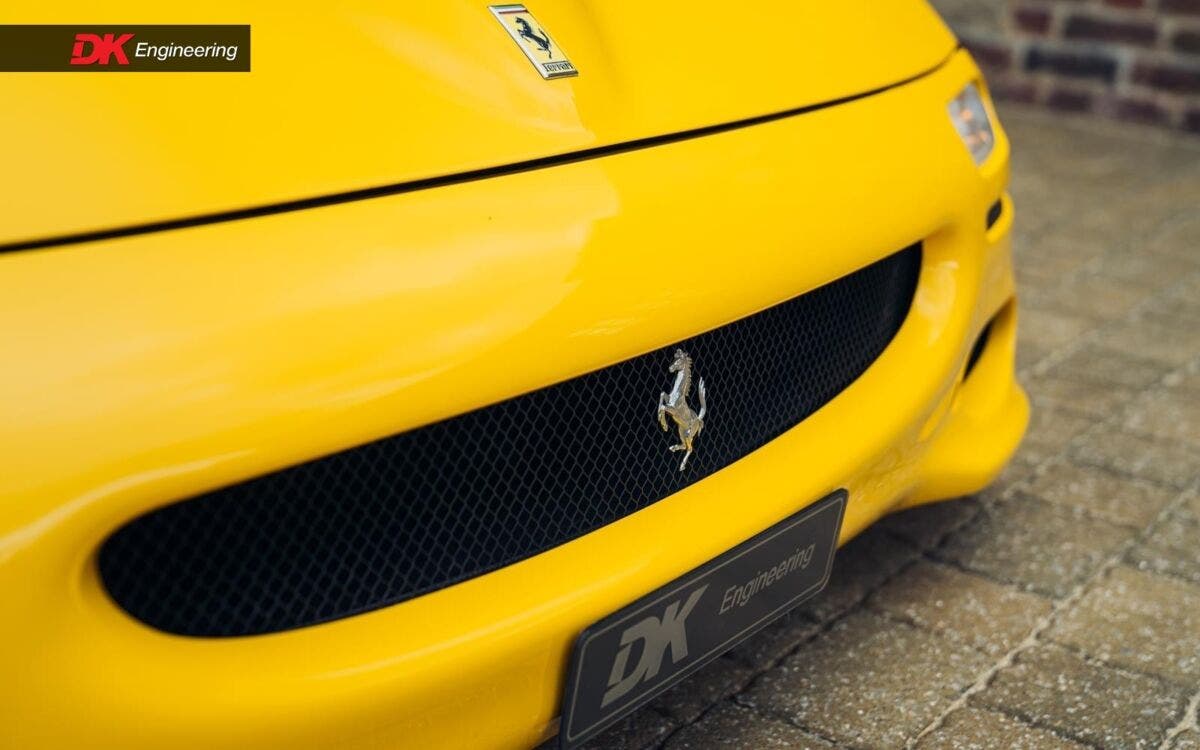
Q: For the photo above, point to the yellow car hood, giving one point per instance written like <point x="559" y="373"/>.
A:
<point x="345" y="97"/>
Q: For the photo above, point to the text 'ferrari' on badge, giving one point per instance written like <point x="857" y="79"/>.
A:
<point x="688" y="422"/>
<point x="533" y="40"/>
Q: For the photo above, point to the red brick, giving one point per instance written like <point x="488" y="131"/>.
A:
<point x="990" y="56"/>
<point x="1033" y="20"/>
<point x="1099" y="29"/>
<point x="1141" y="110"/>
<point x="1070" y="101"/>
<point x="1183" y="7"/>
<point x="1179" y="79"/>
<point x="1187" y="41"/>
<point x="1073" y="64"/>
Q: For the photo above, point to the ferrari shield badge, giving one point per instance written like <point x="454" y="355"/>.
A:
<point x="688" y="423"/>
<point x="534" y="41"/>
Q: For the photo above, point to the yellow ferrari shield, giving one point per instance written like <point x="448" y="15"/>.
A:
<point x="534" y="41"/>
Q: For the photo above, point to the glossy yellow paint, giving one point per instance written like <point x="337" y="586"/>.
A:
<point x="157" y="366"/>
<point x="351" y="95"/>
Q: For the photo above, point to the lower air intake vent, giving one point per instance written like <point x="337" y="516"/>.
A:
<point x="405" y="515"/>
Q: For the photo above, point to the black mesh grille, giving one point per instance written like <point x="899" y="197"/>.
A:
<point x="387" y="521"/>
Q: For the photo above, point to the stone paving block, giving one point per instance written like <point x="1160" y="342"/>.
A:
<point x="1045" y="259"/>
<point x="1151" y="339"/>
<point x="775" y="641"/>
<point x="1179" y="308"/>
<point x="733" y="727"/>
<point x="1172" y="463"/>
<point x="1029" y="354"/>
<point x="1187" y="380"/>
<point x="1172" y="547"/>
<point x="1096" y="400"/>
<point x="1068" y="239"/>
<point x="1139" y="621"/>
<point x="1144" y="270"/>
<point x="1170" y="413"/>
<point x="1174" y="314"/>
<point x="858" y="568"/>
<point x="639" y="731"/>
<point x="870" y="681"/>
<point x="1049" y="686"/>
<point x="1091" y="296"/>
<point x="1050" y="328"/>
<point x="978" y="729"/>
<point x="711" y="685"/>
<point x="1095" y="363"/>
<point x="1132" y="502"/>
<point x="1189" y="506"/>
<point x="1011" y="478"/>
<point x="925" y="526"/>
<point x="962" y="607"/>
<point x="1049" y="433"/>
<point x="1042" y="547"/>
<point x="1033" y="274"/>
<point x="1178" y="237"/>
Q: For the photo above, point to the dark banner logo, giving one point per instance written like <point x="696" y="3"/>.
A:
<point x="119" y="49"/>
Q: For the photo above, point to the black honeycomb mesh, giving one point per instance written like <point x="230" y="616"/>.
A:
<point x="390" y="520"/>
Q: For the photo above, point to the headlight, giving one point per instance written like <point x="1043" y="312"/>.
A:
<point x="970" y="118"/>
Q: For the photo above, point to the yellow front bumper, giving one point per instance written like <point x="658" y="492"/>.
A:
<point x="150" y="368"/>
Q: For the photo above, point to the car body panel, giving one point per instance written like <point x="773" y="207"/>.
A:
<point x="157" y="366"/>
<point x="348" y="96"/>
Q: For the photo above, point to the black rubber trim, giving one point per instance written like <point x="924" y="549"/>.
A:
<point x="994" y="213"/>
<point x="455" y="178"/>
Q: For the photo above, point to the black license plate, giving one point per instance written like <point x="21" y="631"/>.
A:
<point x="629" y="657"/>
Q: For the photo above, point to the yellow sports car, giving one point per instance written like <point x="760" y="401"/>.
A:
<point x="455" y="375"/>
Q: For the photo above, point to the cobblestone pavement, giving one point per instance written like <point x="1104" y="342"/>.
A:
<point x="1061" y="607"/>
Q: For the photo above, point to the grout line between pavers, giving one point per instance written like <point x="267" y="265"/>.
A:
<point x="1033" y="637"/>
<point x="1020" y="586"/>
<point x="1092" y="513"/>
<point x="1030" y="640"/>
<point x="824" y="627"/>
<point x="1032" y="721"/>
<point x="1095" y="661"/>
<point x="681" y="725"/>
<point x="1169" y="575"/>
<point x="1189" y="721"/>
<point x="1117" y="471"/>
<point x="1027" y="495"/>
<point x="782" y="716"/>
<point x="1092" y="334"/>
<point x="1041" y="367"/>
<point x="946" y="635"/>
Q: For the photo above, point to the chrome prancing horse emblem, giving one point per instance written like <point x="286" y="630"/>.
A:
<point x="688" y="422"/>
<point x="534" y="41"/>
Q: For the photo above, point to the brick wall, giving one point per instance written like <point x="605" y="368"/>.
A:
<point x="1135" y="60"/>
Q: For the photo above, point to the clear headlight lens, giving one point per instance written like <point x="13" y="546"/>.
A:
<point x="970" y="118"/>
